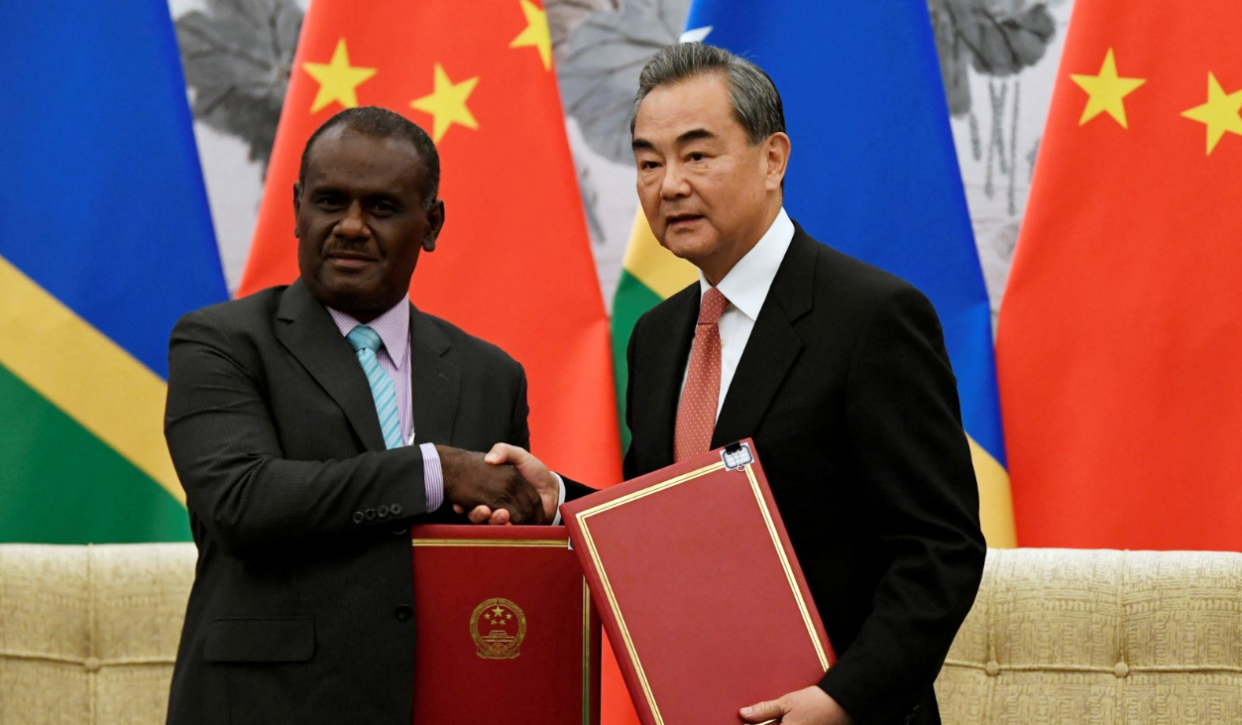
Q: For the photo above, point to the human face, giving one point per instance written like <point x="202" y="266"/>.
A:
<point x="360" y="222"/>
<point x="708" y="194"/>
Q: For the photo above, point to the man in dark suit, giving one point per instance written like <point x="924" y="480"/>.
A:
<point x="310" y="426"/>
<point x="835" y="368"/>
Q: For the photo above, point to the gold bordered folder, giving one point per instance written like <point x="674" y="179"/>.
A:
<point x="506" y="632"/>
<point x="699" y="589"/>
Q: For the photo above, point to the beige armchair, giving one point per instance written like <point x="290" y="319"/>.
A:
<point x="88" y="635"/>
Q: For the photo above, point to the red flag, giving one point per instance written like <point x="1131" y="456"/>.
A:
<point x="513" y="264"/>
<point x="1121" y="329"/>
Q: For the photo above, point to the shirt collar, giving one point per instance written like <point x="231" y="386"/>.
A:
<point x="393" y="327"/>
<point x="746" y="285"/>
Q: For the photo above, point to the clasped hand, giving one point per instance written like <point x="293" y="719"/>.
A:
<point x="507" y="486"/>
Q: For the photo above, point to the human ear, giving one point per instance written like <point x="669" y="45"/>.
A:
<point x="776" y="160"/>
<point x="435" y="222"/>
<point x="297" y="203"/>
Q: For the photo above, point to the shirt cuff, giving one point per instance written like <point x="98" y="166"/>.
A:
<point x="556" y="520"/>
<point x="433" y="477"/>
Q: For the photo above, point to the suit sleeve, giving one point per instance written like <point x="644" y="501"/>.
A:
<point x="238" y="482"/>
<point x="919" y="490"/>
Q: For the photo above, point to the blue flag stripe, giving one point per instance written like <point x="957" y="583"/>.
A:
<point x="107" y="208"/>
<point x="873" y="171"/>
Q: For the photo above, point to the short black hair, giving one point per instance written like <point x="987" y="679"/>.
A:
<point x="376" y="122"/>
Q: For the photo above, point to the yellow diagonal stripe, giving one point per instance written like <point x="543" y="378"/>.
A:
<point x="85" y="374"/>
<point x="995" y="499"/>
<point x="653" y="265"/>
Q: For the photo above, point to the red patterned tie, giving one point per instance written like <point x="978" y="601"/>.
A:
<point x="696" y="413"/>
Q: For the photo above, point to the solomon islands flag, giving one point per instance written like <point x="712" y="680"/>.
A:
<point x="107" y="241"/>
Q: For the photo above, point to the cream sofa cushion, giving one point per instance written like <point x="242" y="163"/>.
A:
<point x="88" y="634"/>
<point x="1093" y="636"/>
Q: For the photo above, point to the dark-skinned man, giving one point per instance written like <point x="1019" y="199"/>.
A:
<point x="835" y="368"/>
<point x="310" y="425"/>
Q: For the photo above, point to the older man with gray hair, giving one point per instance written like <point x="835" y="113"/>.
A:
<point x="836" y="369"/>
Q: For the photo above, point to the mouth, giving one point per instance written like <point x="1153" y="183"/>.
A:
<point x="349" y="260"/>
<point x="681" y="221"/>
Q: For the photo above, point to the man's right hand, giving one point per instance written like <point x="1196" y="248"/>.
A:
<point x="469" y="482"/>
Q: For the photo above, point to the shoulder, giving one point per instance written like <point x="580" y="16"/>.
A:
<point x="463" y="344"/>
<point x="669" y="312"/>
<point x="246" y="315"/>
<point x="851" y="286"/>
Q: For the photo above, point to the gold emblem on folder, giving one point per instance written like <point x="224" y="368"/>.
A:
<point x="498" y="627"/>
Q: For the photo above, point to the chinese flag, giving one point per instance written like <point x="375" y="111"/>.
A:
<point x="1120" y="335"/>
<point x="513" y="264"/>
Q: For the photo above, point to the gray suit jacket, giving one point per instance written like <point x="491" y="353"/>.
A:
<point x="301" y="609"/>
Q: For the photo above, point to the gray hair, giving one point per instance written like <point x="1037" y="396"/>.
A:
<point x="756" y="102"/>
<point x="381" y="123"/>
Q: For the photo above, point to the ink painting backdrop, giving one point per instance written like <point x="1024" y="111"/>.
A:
<point x="998" y="59"/>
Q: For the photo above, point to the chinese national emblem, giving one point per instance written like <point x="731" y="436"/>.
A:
<point x="498" y="627"/>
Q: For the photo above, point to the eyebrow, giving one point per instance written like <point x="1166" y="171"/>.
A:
<point x="694" y="134"/>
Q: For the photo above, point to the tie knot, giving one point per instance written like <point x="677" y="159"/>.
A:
<point x="363" y="337"/>
<point x="712" y="307"/>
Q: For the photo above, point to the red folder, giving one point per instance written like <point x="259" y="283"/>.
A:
<point x="699" y="589"/>
<point x="506" y="631"/>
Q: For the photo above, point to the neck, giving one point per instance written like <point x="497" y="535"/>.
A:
<point x="714" y="270"/>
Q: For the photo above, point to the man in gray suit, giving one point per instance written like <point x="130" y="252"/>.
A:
<point x="310" y="425"/>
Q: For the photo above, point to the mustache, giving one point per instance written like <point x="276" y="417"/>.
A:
<point x="348" y="250"/>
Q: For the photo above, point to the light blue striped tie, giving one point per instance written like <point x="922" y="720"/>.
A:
<point x="366" y="342"/>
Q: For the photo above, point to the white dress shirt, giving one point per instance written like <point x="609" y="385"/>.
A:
<point x="746" y="287"/>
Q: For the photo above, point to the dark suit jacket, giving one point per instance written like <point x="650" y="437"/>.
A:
<point x="846" y="388"/>
<point x="301" y="607"/>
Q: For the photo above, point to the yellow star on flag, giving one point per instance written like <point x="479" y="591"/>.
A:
<point x="536" y="33"/>
<point x="447" y="104"/>
<point x="338" y="80"/>
<point x="1220" y="113"/>
<point x="1107" y="92"/>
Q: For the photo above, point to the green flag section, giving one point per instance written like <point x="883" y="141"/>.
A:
<point x="874" y="174"/>
<point x="649" y="275"/>
<point x="103" y="165"/>
<point x="62" y="485"/>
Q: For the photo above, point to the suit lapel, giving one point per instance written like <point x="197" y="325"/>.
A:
<point x="310" y="335"/>
<point x="436" y="381"/>
<point x="668" y="358"/>
<point x="773" y="346"/>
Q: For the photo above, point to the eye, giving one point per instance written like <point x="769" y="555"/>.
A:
<point x="696" y="156"/>
<point x="647" y="165"/>
<point x="383" y="208"/>
<point x="329" y="202"/>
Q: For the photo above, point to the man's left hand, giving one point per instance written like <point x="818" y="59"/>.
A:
<point x="808" y="706"/>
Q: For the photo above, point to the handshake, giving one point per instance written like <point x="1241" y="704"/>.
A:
<point x="507" y="485"/>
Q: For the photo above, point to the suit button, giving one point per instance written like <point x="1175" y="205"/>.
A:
<point x="358" y="517"/>
<point x="404" y="612"/>
<point x="395" y="509"/>
<point x="383" y="512"/>
<point x="370" y="514"/>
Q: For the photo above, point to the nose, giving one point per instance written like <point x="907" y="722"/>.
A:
<point x="674" y="185"/>
<point x="353" y="225"/>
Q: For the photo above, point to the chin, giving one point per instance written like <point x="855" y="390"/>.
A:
<point x="689" y="249"/>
